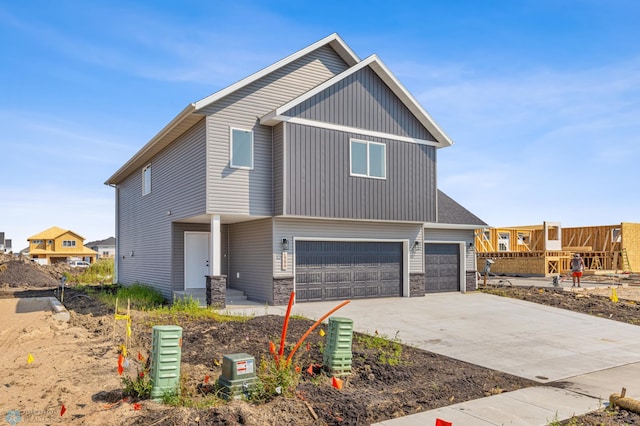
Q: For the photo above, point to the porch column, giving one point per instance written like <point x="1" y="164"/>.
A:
<point x="216" y="247"/>
<point x="216" y="282"/>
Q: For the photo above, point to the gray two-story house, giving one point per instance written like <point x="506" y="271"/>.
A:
<point x="316" y="175"/>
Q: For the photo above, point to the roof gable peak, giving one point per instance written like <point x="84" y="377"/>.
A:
<point x="382" y="71"/>
<point x="333" y="40"/>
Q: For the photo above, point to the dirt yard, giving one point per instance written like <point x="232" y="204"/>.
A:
<point x="75" y="365"/>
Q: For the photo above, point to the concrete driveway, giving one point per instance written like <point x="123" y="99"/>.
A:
<point x="593" y="356"/>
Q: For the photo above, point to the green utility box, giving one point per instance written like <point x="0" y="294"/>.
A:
<point x="166" y="351"/>
<point x="337" y="354"/>
<point x="238" y="375"/>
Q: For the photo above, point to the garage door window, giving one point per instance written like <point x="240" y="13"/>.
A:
<point x="368" y="159"/>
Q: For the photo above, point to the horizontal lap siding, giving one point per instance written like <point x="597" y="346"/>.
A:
<point x="364" y="101"/>
<point x="250" y="256"/>
<point x="318" y="181"/>
<point x="145" y="227"/>
<point x="334" y="229"/>
<point x="244" y="191"/>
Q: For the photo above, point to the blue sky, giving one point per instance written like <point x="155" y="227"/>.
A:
<point x="542" y="98"/>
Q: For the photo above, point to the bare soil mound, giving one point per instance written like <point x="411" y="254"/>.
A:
<point x="21" y="272"/>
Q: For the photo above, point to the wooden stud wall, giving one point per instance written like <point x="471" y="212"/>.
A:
<point x="594" y="243"/>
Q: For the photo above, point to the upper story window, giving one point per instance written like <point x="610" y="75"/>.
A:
<point x="37" y="241"/>
<point x="68" y="243"/>
<point x="368" y="159"/>
<point x="241" y="149"/>
<point x="146" y="179"/>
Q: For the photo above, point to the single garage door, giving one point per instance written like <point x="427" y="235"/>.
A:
<point x="441" y="267"/>
<point x="338" y="270"/>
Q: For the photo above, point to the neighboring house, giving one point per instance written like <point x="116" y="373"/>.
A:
<point x="106" y="249"/>
<point x="5" y="244"/>
<point x="547" y="249"/>
<point x="58" y="245"/>
<point x="316" y="175"/>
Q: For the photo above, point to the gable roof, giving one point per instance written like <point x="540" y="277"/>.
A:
<point x="450" y="212"/>
<point x="333" y="40"/>
<point x="111" y="241"/>
<point x="52" y="233"/>
<point x="191" y="114"/>
<point x="389" y="79"/>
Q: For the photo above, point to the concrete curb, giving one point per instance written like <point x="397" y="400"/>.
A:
<point x="60" y="313"/>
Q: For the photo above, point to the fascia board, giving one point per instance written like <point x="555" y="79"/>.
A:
<point x="177" y="120"/>
<point x="272" y="117"/>
<point x="334" y="40"/>
<point x="435" y="225"/>
<point x="427" y="121"/>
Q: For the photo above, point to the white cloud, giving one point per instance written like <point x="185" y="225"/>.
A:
<point x="543" y="144"/>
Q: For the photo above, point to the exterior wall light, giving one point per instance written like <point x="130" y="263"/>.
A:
<point x="285" y="244"/>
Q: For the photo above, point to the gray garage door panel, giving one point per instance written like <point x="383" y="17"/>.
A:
<point x="338" y="270"/>
<point x="441" y="267"/>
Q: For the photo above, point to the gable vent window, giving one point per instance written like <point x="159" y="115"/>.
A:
<point x="368" y="159"/>
<point x="146" y="179"/>
<point x="241" y="149"/>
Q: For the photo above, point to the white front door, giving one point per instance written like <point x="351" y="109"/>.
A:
<point x="196" y="259"/>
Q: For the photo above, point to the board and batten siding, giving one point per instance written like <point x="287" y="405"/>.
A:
<point x="318" y="182"/>
<point x="250" y="265"/>
<point x="145" y="225"/>
<point x="364" y="101"/>
<point x="455" y="235"/>
<point x="292" y="228"/>
<point x="278" y="169"/>
<point x="250" y="192"/>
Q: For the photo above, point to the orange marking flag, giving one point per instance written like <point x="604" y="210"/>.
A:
<point x="440" y="422"/>
<point x="336" y="383"/>
<point x="63" y="409"/>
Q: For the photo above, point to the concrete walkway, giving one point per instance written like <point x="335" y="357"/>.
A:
<point x="594" y="356"/>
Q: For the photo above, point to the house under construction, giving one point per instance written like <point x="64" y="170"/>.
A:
<point x="546" y="250"/>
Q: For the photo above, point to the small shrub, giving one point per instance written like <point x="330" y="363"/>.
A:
<point x="138" y="387"/>
<point x="275" y="379"/>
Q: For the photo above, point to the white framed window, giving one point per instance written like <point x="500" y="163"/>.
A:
<point x="146" y="179"/>
<point x="368" y="159"/>
<point x="503" y="241"/>
<point x="68" y="243"/>
<point x="616" y="235"/>
<point x="241" y="149"/>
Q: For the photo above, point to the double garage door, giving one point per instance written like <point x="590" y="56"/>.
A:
<point x="338" y="270"/>
<point x="441" y="267"/>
